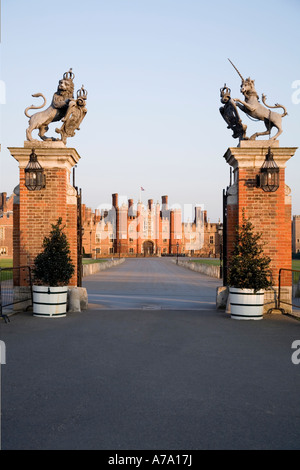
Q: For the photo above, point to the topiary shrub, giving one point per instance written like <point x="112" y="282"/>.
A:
<point x="53" y="266"/>
<point x="248" y="267"/>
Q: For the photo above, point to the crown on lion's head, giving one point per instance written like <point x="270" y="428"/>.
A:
<point x="69" y="75"/>
<point x="66" y="85"/>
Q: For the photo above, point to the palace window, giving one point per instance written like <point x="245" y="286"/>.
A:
<point x="131" y="250"/>
<point x="98" y="237"/>
<point x="111" y="251"/>
<point x="211" y="239"/>
<point x="165" y="240"/>
<point x="131" y="240"/>
<point x="164" y="250"/>
<point x="3" y="250"/>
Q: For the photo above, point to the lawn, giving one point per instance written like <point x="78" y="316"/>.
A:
<point x="6" y="262"/>
<point x="91" y="261"/>
<point x="296" y="264"/>
<point x="211" y="261"/>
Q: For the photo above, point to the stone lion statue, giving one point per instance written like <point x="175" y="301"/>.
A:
<point x="55" y="112"/>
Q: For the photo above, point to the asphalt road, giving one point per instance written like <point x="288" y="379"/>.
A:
<point x="142" y="379"/>
<point x="153" y="283"/>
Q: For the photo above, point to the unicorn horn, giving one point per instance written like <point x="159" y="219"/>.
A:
<point x="236" y="70"/>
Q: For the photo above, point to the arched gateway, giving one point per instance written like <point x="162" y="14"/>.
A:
<point x="148" y="248"/>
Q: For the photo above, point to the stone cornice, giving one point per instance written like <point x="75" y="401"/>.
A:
<point x="253" y="157"/>
<point x="48" y="157"/>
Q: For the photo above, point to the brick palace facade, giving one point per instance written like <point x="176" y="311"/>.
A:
<point x="296" y="234"/>
<point x="6" y="225"/>
<point x="155" y="230"/>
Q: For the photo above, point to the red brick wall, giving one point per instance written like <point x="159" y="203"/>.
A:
<point x="270" y="216"/>
<point x="232" y="222"/>
<point x="36" y="212"/>
<point x="16" y="235"/>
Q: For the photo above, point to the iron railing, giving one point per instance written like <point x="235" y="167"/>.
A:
<point x="15" y="288"/>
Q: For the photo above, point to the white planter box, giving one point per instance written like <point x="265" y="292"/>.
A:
<point x="49" y="302"/>
<point x="245" y="304"/>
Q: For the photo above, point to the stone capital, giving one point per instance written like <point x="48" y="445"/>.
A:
<point x="254" y="156"/>
<point x="49" y="157"/>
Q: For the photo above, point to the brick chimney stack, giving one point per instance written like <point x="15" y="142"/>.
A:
<point x="3" y="202"/>
<point x="115" y="200"/>
<point x="130" y="203"/>
<point x="164" y="200"/>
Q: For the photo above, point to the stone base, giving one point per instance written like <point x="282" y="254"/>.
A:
<point x="51" y="144"/>
<point x="258" y="143"/>
<point x="77" y="299"/>
<point x="222" y="297"/>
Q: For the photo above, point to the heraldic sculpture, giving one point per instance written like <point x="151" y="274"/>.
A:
<point x="252" y="108"/>
<point x="62" y="108"/>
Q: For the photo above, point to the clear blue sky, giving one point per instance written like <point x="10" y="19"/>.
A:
<point x="153" y="70"/>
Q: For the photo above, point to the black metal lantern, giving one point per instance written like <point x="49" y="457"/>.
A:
<point x="269" y="174"/>
<point x="34" y="174"/>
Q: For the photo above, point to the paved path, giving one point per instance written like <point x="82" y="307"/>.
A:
<point x="134" y="379"/>
<point x="151" y="283"/>
<point x="137" y="379"/>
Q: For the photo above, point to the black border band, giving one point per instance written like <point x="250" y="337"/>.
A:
<point x="47" y="303"/>
<point x="246" y="316"/>
<point x="44" y="292"/>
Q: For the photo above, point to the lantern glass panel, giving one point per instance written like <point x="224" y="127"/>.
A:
<point x="269" y="174"/>
<point x="270" y="180"/>
<point x="34" y="174"/>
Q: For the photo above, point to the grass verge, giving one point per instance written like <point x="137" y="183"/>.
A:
<point x="92" y="261"/>
<point x="211" y="261"/>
